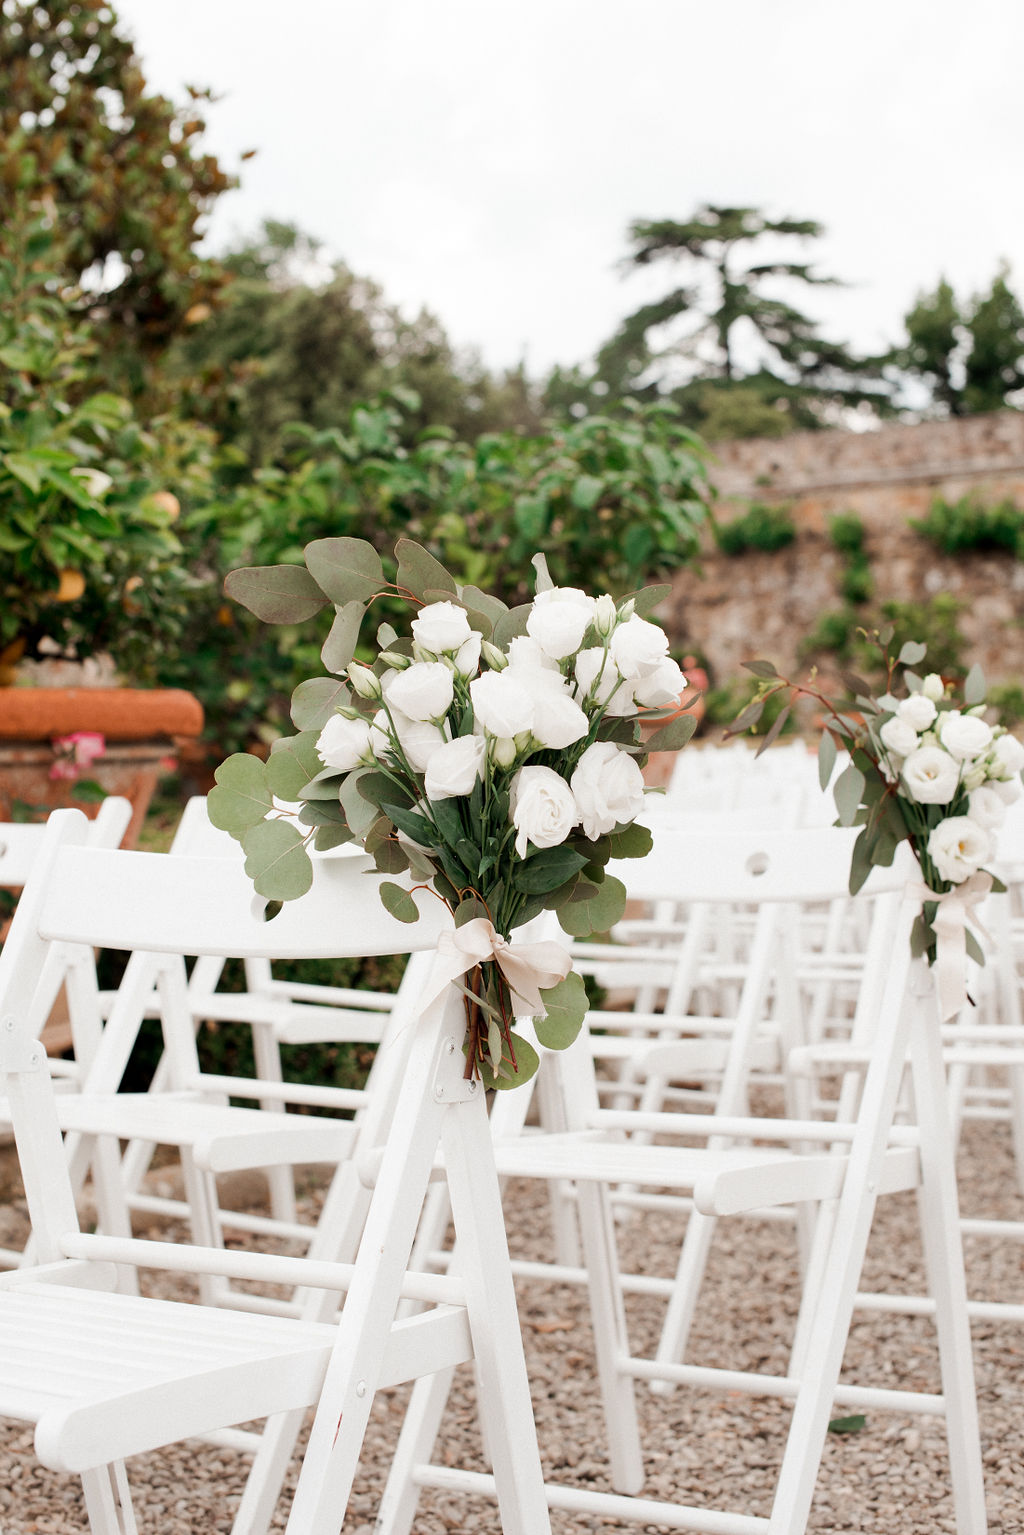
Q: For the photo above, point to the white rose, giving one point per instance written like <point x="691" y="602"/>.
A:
<point x="590" y="665"/>
<point x="958" y="847"/>
<point x="918" y="711"/>
<point x="1007" y="755"/>
<point x="608" y="788"/>
<point x="523" y="652"/>
<point x="559" y="619"/>
<point x="605" y="615"/>
<point x="964" y="735"/>
<point x="986" y="807"/>
<point x="899" y="736"/>
<point x="380" y="733"/>
<point x="467" y="657"/>
<point x="423" y="692"/>
<point x="419" y="740"/>
<point x="455" y="767"/>
<point x="558" y="721"/>
<point x="933" y="687"/>
<point x="96" y="482"/>
<point x="931" y="776"/>
<point x="1008" y="789"/>
<point x="661" y="685"/>
<point x="441" y="628"/>
<point x="344" y="744"/>
<point x="543" y="808"/>
<point x="637" y="647"/>
<point x="502" y="703"/>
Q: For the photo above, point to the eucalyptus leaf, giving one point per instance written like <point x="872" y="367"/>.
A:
<point x="673" y="736"/>
<point x="241" y="797"/>
<point x="527" y="1062"/>
<point x="293" y="761"/>
<point x="647" y="599"/>
<point x="359" y="812"/>
<point x="468" y="909"/>
<point x="545" y="870"/>
<point x="912" y="652"/>
<point x="565" y="1007"/>
<point x="632" y="841"/>
<point x="276" y="860"/>
<point x="317" y="700"/>
<point x="827" y="752"/>
<point x="763" y="669"/>
<point x="277" y="594"/>
<point x="418" y="569"/>
<point x="340" y="645"/>
<point x="593" y="908"/>
<point x="511" y="625"/>
<point x="330" y="835"/>
<point x="347" y="569"/>
<point x="974" y="686"/>
<point x="848" y="791"/>
<point x="397" y="900"/>
<point x="860" y="863"/>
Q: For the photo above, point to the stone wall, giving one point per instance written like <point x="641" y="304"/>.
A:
<point x="765" y="604"/>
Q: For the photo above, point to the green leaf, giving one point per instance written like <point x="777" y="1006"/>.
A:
<point x="593" y="908"/>
<point x="293" y="761"/>
<point x="586" y="491"/>
<point x="634" y="841"/>
<point x="330" y="835"/>
<point x="647" y="599"/>
<point x="316" y="700"/>
<point x="413" y="824"/>
<point x="826" y="758"/>
<point x="912" y="652"/>
<point x="277" y="594"/>
<point x="860" y="863"/>
<point x="774" y="730"/>
<point x="763" y="669"/>
<point x="468" y="909"/>
<point x="511" y="625"/>
<point x="546" y="869"/>
<point x="848" y="791"/>
<point x="483" y="604"/>
<point x="378" y="789"/>
<point x="974" y="686"/>
<point x="340" y="645"/>
<point x="276" y="861"/>
<point x="565" y="1008"/>
<point x="673" y="736"/>
<point x="851" y="1425"/>
<point x="25" y="468"/>
<point x="398" y="902"/>
<point x="241" y="797"/>
<point x="346" y="569"/>
<point x="447" y="817"/>
<point x="543" y="581"/>
<point x="418" y="569"/>
<point x="527" y="1062"/>
<point x="359" y="812"/>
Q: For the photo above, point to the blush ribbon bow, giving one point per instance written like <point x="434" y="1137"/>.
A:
<point x="529" y="968"/>
<point x="955" y="910"/>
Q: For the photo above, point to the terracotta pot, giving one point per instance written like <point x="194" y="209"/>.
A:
<point x="140" y="727"/>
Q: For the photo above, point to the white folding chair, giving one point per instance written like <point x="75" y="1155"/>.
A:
<point x="104" y="1375"/>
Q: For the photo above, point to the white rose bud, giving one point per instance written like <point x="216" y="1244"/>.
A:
<point x="496" y="659"/>
<point x="344" y="744"/>
<point x="467" y="657"/>
<point x="396" y="660"/>
<point x="662" y="685"/>
<point x="424" y="691"/>
<point x="931" y="776"/>
<point x="918" y="711"/>
<point x="605" y="615"/>
<point x="558" y="620"/>
<point x="455" y="767"/>
<point x="543" y="808"/>
<point x="899" y="736"/>
<point x="958" y="847"/>
<point x="608" y="788"/>
<point x="986" y="807"/>
<point x="441" y="628"/>
<point x="503" y="750"/>
<point x="364" y="681"/>
<point x="933" y="687"/>
<point x="637" y="647"/>
<point x="964" y="735"/>
<point x="502" y="704"/>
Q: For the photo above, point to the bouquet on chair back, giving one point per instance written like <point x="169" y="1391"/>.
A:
<point x="492" y="754"/>
<point x="925" y="767"/>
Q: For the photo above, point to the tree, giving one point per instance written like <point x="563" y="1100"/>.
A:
<point x="968" y="354"/>
<point x="117" y="172"/>
<point x="722" y="326"/>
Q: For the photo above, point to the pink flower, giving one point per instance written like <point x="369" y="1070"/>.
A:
<point x="75" y="753"/>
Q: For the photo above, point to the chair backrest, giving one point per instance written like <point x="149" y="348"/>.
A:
<point x="20" y="841"/>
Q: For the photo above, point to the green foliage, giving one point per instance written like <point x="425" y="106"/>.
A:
<point x="969" y="353"/>
<point x="89" y="557"/>
<point x="934" y="624"/>
<point x="856" y="584"/>
<point x="761" y="528"/>
<point x="834" y="632"/>
<point x="958" y="527"/>
<point x="1007" y="698"/>
<point x="117" y="171"/>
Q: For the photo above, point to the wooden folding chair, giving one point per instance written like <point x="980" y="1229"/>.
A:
<point x="104" y="1375"/>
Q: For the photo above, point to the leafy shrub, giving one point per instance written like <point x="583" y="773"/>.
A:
<point x="761" y="528"/>
<point x="957" y="527"/>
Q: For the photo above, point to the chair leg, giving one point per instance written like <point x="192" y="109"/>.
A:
<point x="108" y="1500"/>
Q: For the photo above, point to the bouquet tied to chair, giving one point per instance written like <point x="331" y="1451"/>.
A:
<point x="926" y="768"/>
<point x="491" y="754"/>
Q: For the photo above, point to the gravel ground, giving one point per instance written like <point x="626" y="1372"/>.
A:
<point x="890" y="1478"/>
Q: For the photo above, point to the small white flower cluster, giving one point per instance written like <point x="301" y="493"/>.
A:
<point x="950" y="757"/>
<point x="580" y="659"/>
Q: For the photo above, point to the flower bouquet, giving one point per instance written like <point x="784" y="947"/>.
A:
<point x="925" y="768"/>
<point x="491" y="754"/>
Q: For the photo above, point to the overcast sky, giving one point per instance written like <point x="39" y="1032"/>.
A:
<point x="484" y="159"/>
